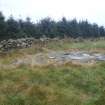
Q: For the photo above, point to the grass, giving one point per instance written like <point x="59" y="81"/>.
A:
<point x="52" y="85"/>
<point x="69" y="84"/>
<point x="85" y="45"/>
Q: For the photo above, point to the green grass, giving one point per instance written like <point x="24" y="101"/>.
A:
<point x="86" y="45"/>
<point x="60" y="85"/>
<point x="69" y="84"/>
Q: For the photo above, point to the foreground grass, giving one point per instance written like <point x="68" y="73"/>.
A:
<point x="53" y="85"/>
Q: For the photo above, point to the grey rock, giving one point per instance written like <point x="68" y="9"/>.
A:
<point x="9" y="44"/>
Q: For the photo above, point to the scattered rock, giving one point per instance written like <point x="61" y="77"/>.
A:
<point x="56" y="58"/>
<point x="78" y="56"/>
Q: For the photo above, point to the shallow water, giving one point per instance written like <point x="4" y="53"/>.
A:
<point x="80" y="56"/>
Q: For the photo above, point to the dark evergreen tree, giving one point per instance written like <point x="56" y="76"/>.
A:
<point x="102" y="31"/>
<point x="2" y="27"/>
<point x="12" y="28"/>
<point x="48" y="28"/>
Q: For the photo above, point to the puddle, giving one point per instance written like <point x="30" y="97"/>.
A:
<point x="80" y="56"/>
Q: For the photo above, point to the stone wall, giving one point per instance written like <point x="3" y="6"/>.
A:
<point x="9" y="44"/>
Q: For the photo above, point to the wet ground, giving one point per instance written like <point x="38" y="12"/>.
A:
<point x="60" y="57"/>
<point x="81" y="56"/>
<point x="56" y="57"/>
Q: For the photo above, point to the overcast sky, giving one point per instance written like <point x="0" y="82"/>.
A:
<point x="92" y="10"/>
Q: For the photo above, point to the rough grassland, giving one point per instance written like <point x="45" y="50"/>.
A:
<point x="69" y="84"/>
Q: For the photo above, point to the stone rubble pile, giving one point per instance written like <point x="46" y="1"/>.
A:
<point x="9" y="44"/>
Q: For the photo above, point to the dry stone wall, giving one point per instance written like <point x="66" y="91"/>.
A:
<point x="9" y="44"/>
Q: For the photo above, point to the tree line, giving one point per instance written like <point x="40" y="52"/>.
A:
<point x="47" y="27"/>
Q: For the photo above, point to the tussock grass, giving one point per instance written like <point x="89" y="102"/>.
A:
<point x="52" y="85"/>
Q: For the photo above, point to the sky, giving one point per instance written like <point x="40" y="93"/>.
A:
<point x="92" y="10"/>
